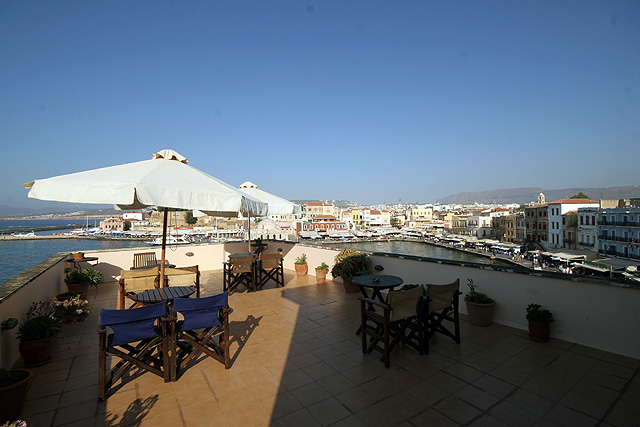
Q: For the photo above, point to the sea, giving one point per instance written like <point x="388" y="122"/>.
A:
<point x="19" y="255"/>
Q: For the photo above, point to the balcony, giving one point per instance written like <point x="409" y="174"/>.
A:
<point x="297" y="361"/>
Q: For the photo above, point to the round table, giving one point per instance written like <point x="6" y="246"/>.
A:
<point x="151" y="296"/>
<point x="377" y="283"/>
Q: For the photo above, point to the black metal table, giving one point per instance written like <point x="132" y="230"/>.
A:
<point x="152" y="296"/>
<point x="86" y="259"/>
<point x="377" y="283"/>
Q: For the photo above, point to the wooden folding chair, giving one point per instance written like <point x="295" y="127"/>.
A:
<point x="239" y="271"/>
<point x="397" y="321"/>
<point x="184" y="276"/>
<point x="270" y="268"/>
<point x="441" y="306"/>
<point x="144" y="259"/>
<point x="139" y="338"/>
<point x="205" y="320"/>
<point x="134" y="281"/>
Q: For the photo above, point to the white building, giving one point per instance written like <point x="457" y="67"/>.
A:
<point x="587" y="238"/>
<point x="619" y="232"/>
<point x="555" y="211"/>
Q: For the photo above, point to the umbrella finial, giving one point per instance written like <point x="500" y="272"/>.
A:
<point x="169" y="155"/>
<point x="248" y="184"/>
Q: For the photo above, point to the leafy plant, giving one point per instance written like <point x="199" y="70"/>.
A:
<point x="322" y="266"/>
<point x="84" y="276"/>
<point x="301" y="260"/>
<point x="474" y="296"/>
<point x="72" y="310"/>
<point x="10" y="377"/>
<point x="40" y="322"/>
<point x="535" y="313"/>
<point x="350" y="263"/>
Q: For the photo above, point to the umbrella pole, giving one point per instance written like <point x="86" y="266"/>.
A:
<point x="249" y="232"/>
<point x="164" y="247"/>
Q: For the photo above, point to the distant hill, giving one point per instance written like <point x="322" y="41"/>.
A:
<point x="530" y="194"/>
<point x="10" y="212"/>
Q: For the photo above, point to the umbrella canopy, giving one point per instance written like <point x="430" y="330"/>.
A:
<point x="166" y="180"/>
<point x="277" y="205"/>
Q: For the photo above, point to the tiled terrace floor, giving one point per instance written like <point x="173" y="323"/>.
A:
<point x="297" y="361"/>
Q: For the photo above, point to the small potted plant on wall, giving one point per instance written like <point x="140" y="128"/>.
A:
<point x="37" y="333"/>
<point x="14" y="384"/>
<point x="80" y="280"/>
<point x="479" y="306"/>
<point x="540" y="320"/>
<point x="301" y="265"/>
<point x="348" y="264"/>
<point x="321" y="272"/>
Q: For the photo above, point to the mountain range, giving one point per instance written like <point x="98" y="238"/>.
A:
<point x="530" y="194"/>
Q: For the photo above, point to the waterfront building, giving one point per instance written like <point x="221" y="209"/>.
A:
<point x="569" y="229"/>
<point x="479" y="226"/>
<point x="420" y="217"/>
<point x="514" y="227"/>
<point x="587" y="239"/>
<point x="556" y="209"/>
<point x="536" y="223"/>
<point x="619" y="231"/>
<point x="379" y="218"/>
<point x="459" y="225"/>
<point x="112" y="224"/>
<point x="313" y="209"/>
<point x="324" y="223"/>
<point x="133" y="216"/>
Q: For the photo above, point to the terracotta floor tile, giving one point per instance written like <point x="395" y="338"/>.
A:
<point x="202" y="409"/>
<point x="249" y="416"/>
<point x="171" y="418"/>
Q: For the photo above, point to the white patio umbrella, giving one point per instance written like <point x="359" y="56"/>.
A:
<point x="166" y="180"/>
<point x="277" y="205"/>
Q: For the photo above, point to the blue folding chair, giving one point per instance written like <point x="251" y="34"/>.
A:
<point x="204" y="320"/>
<point x="139" y="338"/>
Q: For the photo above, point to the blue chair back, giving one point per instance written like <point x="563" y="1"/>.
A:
<point x="200" y="312"/>
<point x="132" y="325"/>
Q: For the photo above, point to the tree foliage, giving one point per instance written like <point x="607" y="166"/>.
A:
<point x="189" y="218"/>
<point x="580" y="195"/>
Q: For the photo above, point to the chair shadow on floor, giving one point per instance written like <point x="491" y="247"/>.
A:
<point x="133" y="415"/>
<point x="240" y="332"/>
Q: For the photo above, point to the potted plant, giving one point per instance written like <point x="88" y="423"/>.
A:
<point x="14" y="384"/>
<point x="37" y="333"/>
<point x="350" y="263"/>
<point x="78" y="255"/>
<point x="301" y="265"/>
<point x="321" y="272"/>
<point x="479" y="306"/>
<point x="80" y="280"/>
<point x="71" y="310"/>
<point x="539" y="322"/>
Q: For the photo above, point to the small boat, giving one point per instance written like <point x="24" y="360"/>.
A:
<point x="171" y="240"/>
<point x="29" y="234"/>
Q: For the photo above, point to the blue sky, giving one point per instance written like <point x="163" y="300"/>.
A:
<point x="370" y="101"/>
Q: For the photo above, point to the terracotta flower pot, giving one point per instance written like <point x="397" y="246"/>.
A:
<point x="350" y="287"/>
<point x="82" y="288"/>
<point x="480" y="314"/>
<point x="539" y="331"/>
<point x="38" y="352"/>
<point x="79" y="255"/>
<point x="13" y="398"/>
<point x="321" y="275"/>
<point x="302" y="269"/>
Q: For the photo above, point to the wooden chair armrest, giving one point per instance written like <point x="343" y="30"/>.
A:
<point x="382" y="305"/>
